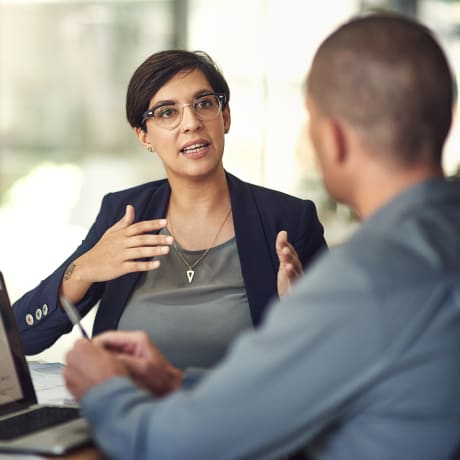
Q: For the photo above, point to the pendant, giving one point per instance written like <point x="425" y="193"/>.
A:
<point x="190" y="275"/>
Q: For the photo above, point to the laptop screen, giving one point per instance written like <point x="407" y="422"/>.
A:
<point x="10" y="388"/>
<point x="15" y="382"/>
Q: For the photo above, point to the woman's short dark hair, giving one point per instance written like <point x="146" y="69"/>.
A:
<point x="158" y="69"/>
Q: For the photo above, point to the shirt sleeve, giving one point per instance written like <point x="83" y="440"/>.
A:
<point x="278" y="387"/>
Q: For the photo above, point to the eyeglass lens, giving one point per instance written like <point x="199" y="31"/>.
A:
<point x="169" y="116"/>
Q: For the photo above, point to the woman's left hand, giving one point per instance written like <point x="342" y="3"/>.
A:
<point x="290" y="266"/>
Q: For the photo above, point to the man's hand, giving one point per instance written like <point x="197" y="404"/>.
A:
<point x="89" y="365"/>
<point x="290" y="266"/>
<point x="142" y="359"/>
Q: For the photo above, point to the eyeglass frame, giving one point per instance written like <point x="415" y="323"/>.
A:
<point x="221" y="99"/>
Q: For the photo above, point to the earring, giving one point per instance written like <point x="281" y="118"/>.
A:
<point x="150" y="149"/>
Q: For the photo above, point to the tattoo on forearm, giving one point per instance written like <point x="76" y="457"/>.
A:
<point x="69" y="271"/>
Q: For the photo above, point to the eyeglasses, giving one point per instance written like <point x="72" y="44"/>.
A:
<point x="169" y="116"/>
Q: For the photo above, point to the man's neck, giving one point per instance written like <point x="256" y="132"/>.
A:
<point x="380" y="188"/>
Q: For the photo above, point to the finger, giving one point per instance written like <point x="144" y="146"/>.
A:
<point x="145" y="226"/>
<point x="123" y="341"/>
<point x="281" y="239"/>
<point x="129" y="214"/>
<point x="132" y="266"/>
<point x="71" y="375"/>
<point x="131" y="254"/>
<point x="286" y="244"/>
<point x="149" y="240"/>
<point x="292" y="270"/>
<point x="289" y="256"/>
<point x="70" y="378"/>
<point x="80" y="348"/>
<point x="136" y="367"/>
<point x="112" y="339"/>
<point x="137" y="267"/>
<point x="288" y="253"/>
<point x="126" y="220"/>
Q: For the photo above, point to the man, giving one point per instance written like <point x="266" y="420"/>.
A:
<point x="360" y="361"/>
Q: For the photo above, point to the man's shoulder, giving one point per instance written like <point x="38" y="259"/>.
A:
<point x="387" y="260"/>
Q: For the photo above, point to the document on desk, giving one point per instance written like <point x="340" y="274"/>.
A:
<point x="49" y="383"/>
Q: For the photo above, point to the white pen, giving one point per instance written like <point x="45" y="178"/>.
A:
<point x="73" y="315"/>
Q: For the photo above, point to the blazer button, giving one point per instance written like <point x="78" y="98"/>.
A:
<point x="38" y="314"/>
<point x="29" y="319"/>
<point x="45" y="309"/>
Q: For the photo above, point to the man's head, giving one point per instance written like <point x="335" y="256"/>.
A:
<point x="387" y="78"/>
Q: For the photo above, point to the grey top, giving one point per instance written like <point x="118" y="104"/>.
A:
<point x="191" y="323"/>
<point x="360" y="361"/>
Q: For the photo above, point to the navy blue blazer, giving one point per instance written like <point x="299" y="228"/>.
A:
<point x="258" y="215"/>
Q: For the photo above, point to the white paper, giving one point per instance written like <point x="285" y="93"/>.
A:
<point x="49" y="384"/>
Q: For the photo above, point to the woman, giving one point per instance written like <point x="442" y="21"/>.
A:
<point x="192" y="259"/>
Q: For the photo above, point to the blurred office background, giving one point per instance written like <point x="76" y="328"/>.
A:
<point x="64" y="139"/>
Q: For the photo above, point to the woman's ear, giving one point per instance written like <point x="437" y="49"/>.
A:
<point x="141" y="135"/>
<point x="143" y="138"/>
<point x="227" y="119"/>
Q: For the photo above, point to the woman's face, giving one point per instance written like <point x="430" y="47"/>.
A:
<point x="195" y="147"/>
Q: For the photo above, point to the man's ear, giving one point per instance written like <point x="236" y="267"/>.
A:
<point x="338" y="140"/>
<point x="227" y="118"/>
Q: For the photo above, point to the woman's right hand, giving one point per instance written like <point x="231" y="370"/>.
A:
<point x="117" y="253"/>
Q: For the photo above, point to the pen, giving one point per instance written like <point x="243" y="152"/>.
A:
<point x="73" y="315"/>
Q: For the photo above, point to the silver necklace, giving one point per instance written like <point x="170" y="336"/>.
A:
<point x="190" y="272"/>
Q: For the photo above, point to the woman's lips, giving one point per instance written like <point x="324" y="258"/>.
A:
<point x="195" y="150"/>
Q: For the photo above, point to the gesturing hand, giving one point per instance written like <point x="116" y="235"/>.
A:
<point x="120" y="249"/>
<point x="290" y="267"/>
<point x="142" y="359"/>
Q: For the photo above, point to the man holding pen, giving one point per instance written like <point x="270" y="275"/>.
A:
<point x="360" y="360"/>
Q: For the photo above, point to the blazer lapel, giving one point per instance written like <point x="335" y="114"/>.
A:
<point x="255" y="248"/>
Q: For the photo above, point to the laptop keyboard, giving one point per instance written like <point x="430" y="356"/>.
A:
<point x="29" y="422"/>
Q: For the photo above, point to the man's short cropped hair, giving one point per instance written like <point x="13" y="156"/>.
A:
<point x="389" y="78"/>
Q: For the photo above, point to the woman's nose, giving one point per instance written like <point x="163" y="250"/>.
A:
<point x="190" y="120"/>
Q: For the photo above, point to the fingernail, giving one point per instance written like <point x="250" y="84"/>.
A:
<point x="162" y="221"/>
<point x="165" y="249"/>
<point x="169" y="239"/>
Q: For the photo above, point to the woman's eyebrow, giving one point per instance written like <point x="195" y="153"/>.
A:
<point x="161" y="103"/>
<point x="200" y="92"/>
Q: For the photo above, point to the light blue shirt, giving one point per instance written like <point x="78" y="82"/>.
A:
<point x="360" y="361"/>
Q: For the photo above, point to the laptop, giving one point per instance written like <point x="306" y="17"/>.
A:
<point x="25" y="425"/>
